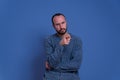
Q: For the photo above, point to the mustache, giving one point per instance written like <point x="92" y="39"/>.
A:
<point x="62" y="29"/>
<point x="62" y="32"/>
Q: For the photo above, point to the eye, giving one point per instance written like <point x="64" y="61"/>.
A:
<point x="57" y="24"/>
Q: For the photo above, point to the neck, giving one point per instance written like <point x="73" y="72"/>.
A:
<point x="61" y="35"/>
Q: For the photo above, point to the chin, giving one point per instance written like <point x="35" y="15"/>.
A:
<point x="61" y="33"/>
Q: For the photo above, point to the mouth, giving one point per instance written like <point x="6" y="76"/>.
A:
<point x="62" y="30"/>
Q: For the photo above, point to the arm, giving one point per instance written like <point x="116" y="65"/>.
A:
<point x="53" y="54"/>
<point x="74" y="63"/>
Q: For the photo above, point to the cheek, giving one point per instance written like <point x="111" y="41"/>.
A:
<point x="64" y="25"/>
<point x="57" y="28"/>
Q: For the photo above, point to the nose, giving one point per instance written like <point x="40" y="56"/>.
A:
<point x="61" y="26"/>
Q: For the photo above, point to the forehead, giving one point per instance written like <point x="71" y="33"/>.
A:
<point x="58" y="19"/>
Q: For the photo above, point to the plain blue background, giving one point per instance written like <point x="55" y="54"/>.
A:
<point x="25" y="23"/>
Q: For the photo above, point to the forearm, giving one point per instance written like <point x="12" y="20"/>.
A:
<point x="53" y="57"/>
<point x="73" y="64"/>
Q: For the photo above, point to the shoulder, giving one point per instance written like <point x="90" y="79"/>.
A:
<point x="74" y="37"/>
<point x="50" y="38"/>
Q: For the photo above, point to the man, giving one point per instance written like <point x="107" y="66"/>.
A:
<point x="63" y="51"/>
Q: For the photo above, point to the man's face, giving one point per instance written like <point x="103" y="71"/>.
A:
<point x="60" y="24"/>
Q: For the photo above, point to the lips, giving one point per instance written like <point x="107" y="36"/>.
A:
<point x="62" y="30"/>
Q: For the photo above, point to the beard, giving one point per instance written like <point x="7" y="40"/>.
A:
<point x="62" y="31"/>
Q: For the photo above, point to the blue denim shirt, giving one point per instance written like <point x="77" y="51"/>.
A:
<point x="67" y="57"/>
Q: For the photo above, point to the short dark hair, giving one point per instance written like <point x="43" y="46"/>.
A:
<point x="56" y="14"/>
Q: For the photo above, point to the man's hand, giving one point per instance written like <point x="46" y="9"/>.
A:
<point x="47" y="65"/>
<point x="65" y="39"/>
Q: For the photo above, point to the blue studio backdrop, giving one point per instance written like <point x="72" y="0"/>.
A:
<point x="24" y="24"/>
